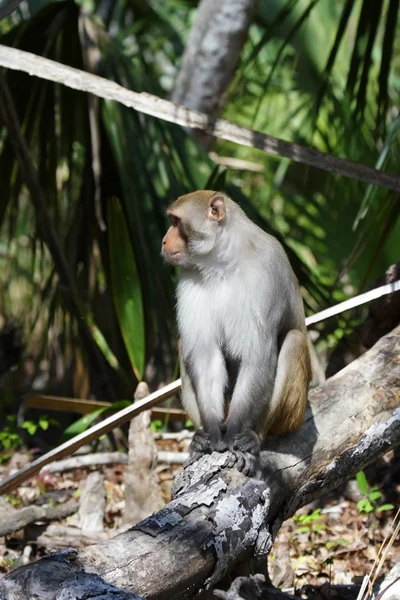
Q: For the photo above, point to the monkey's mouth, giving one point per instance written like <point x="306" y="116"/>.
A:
<point x="172" y="257"/>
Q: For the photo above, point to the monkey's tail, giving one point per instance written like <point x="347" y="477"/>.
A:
<point x="288" y="405"/>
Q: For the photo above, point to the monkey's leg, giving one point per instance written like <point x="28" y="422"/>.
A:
<point x="203" y="399"/>
<point x="288" y="405"/>
<point x="201" y="441"/>
<point x="252" y="393"/>
<point x="188" y="396"/>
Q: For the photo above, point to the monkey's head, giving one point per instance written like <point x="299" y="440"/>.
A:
<point x="197" y="220"/>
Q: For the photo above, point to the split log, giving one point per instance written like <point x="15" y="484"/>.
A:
<point x="218" y="517"/>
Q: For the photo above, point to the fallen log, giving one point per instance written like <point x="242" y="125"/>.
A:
<point x="12" y="520"/>
<point x="219" y="518"/>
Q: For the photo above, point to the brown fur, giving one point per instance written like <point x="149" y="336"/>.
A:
<point x="290" y="398"/>
<point x="199" y="197"/>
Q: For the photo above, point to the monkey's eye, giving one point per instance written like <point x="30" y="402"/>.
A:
<point x="174" y="220"/>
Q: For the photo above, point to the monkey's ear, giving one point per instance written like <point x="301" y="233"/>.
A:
<point x="216" y="209"/>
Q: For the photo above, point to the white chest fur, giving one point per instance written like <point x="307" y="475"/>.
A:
<point x="223" y="311"/>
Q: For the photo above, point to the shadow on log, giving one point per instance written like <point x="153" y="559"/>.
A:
<point x="220" y="519"/>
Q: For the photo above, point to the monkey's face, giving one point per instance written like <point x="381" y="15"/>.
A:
<point x="196" y="221"/>
<point x="174" y="247"/>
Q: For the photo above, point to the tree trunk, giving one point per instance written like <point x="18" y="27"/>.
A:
<point x="212" y="54"/>
<point x="218" y="517"/>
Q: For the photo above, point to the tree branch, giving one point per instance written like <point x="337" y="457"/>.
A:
<point x="7" y="7"/>
<point x="19" y="60"/>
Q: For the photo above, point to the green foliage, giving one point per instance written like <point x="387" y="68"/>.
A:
<point x="310" y="523"/>
<point x="43" y="423"/>
<point x="371" y="495"/>
<point x="88" y="420"/>
<point x="332" y="544"/>
<point x="126" y="288"/>
<point x="10" y="438"/>
<point x="157" y="425"/>
<point x="319" y="73"/>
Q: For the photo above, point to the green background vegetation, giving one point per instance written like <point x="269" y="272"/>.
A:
<point x="321" y="73"/>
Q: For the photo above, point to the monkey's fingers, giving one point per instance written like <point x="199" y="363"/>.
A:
<point x="246" y="463"/>
<point x="246" y="448"/>
<point x="247" y="441"/>
<point x="221" y="446"/>
<point x="200" y="445"/>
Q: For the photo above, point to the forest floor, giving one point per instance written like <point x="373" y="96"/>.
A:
<point x="331" y="541"/>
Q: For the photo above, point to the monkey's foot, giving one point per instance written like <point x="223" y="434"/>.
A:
<point x="200" y="445"/>
<point x="246" y="447"/>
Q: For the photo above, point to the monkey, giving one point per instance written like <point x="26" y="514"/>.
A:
<point x="244" y="355"/>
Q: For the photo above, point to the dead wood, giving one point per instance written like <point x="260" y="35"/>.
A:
<point x="80" y="461"/>
<point x="12" y="520"/>
<point x="56" y="536"/>
<point x="92" y="504"/>
<point x="220" y="518"/>
<point x="98" y="459"/>
<point x="142" y="492"/>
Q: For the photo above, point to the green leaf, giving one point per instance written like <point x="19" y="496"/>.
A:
<point x="337" y="542"/>
<point x="385" y="507"/>
<point x="81" y="424"/>
<point x="303" y="529"/>
<point x="126" y="287"/>
<point x="156" y="425"/>
<point x="44" y="423"/>
<point x="362" y="482"/>
<point x="364" y="505"/>
<point x="87" y="420"/>
<point x="30" y="426"/>
<point x="105" y="348"/>
<point x="375" y="495"/>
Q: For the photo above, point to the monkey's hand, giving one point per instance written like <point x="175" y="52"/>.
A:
<point x="200" y="445"/>
<point x="246" y="447"/>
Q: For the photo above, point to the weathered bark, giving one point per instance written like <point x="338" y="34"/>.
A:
<point x="92" y="504"/>
<point x="142" y="492"/>
<point x="220" y="518"/>
<point x="212" y="54"/>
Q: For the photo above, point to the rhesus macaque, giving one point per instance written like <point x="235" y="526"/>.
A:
<point x="245" y="363"/>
